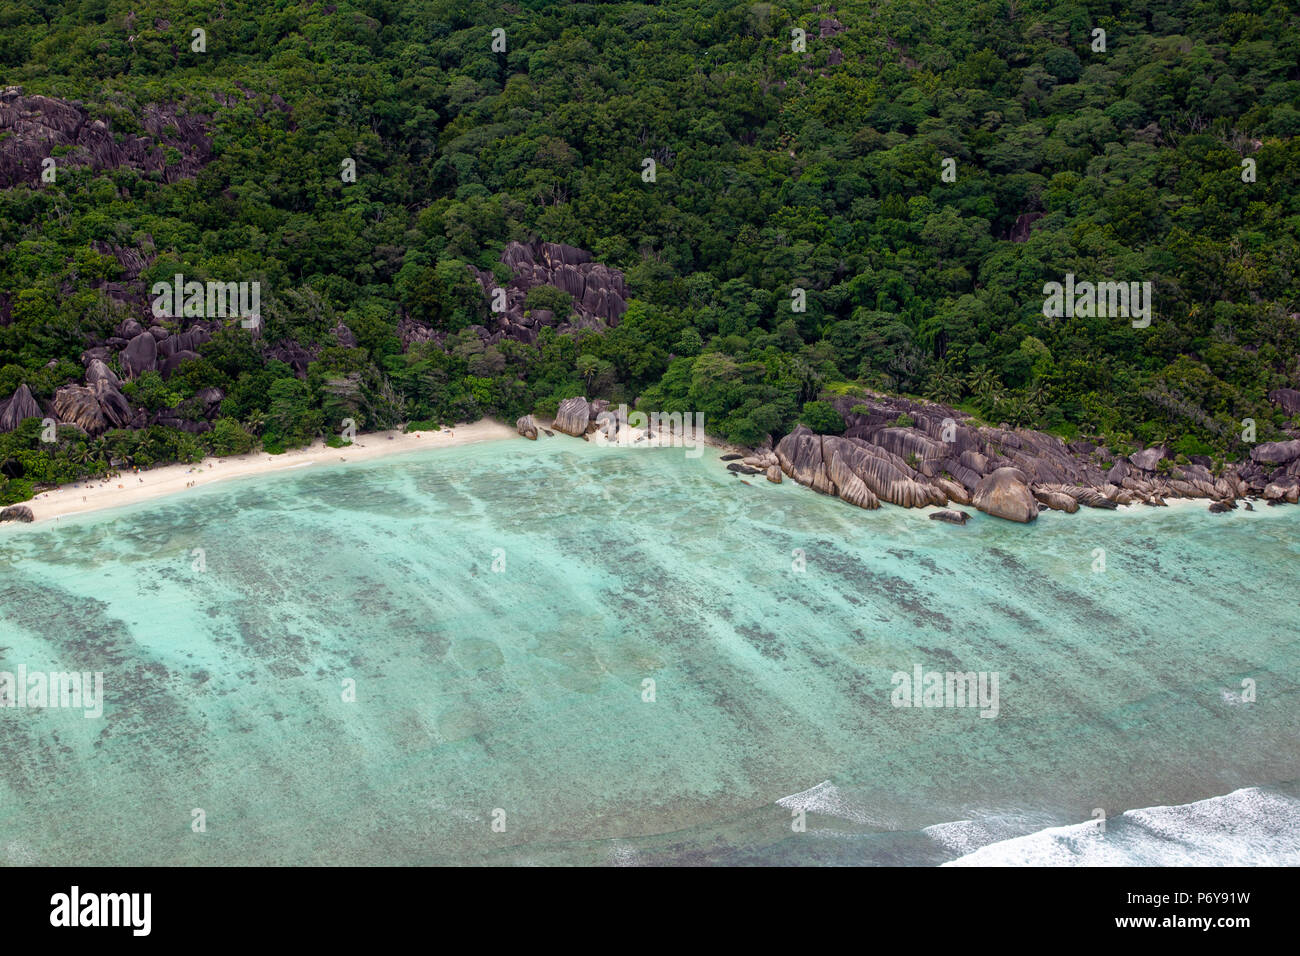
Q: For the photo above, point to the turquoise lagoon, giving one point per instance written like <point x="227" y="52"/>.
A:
<point x="523" y="688"/>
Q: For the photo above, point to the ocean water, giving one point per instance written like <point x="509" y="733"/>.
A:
<point x="445" y="657"/>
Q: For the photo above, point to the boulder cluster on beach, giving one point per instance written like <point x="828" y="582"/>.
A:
<point x="939" y="459"/>
<point x="918" y="455"/>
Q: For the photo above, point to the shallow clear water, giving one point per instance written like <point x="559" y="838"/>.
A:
<point x="521" y="689"/>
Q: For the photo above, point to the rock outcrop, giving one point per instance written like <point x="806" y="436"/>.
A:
<point x="37" y="125"/>
<point x="1287" y="399"/>
<point x="1277" y="452"/>
<point x="941" y="458"/>
<point x="17" y="513"/>
<point x="527" y="427"/>
<point x="140" y="355"/>
<point x="78" y="405"/>
<point x="800" y="455"/>
<point x="1057" y="501"/>
<point x="1005" y="494"/>
<point x="573" y="417"/>
<point x="19" y="407"/>
<point x="952" y="517"/>
<point x="599" y="292"/>
<point x="1147" y="458"/>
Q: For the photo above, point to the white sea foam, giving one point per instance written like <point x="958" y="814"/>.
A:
<point x="829" y="800"/>
<point x="624" y="854"/>
<point x="1248" y="827"/>
<point x="966" y="836"/>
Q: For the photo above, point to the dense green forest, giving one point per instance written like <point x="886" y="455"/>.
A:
<point x="776" y="168"/>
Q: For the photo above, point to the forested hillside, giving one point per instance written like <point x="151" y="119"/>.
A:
<point x="776" y="168"/>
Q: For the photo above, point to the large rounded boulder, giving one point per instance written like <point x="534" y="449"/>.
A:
<point x="1276" y="452"/>
<point x="1004" y="494"/>
<point x="140" y="355"/>
<point x="573" y="417"/>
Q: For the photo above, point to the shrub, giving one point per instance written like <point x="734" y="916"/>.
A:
<point x="228" y="437"/>
<point x="822" y="418"/>
<point x="428" y="425"/>
<point x="548" y="297"/>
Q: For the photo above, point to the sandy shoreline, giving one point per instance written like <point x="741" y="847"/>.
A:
<point x="135" y="487"/>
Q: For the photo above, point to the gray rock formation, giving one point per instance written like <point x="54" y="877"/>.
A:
<point x="599" y="293"/>
<point x="175" y="360"/>
<point x="17" y="513"/>
<point x="38" y="124"/>
<point x="19" y="407"/>
<point x="1004" y="494"/>
<point x="573" y="417"/>
<point x="800" y="455"/>
<point x="1287" y="399"/>
<point x="97" y="371"/>
<point x="954" y="490"/>
<point x="1057" y="501"/>
<point x="1147" y="458"/>
<point x="140" y="355"/>
<point x="78" y="405"/>
<point x="1007" y="473"/>
<point x="112" y="404"/>
<point x="527" y="427"/>
<point x="1276" y="452"/>
<point x="952" y="517"/>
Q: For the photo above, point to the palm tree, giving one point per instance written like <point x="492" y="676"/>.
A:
<point x="981" y="380"/>
<point x="588" y="366"/>
<point x="1017" y="412"/>
<point x="944" y="387"/>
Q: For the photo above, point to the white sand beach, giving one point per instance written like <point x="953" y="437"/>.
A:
<point x="134" y="487"/>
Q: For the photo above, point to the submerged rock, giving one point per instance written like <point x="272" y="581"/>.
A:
<point x="952" y="517"/>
